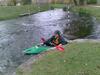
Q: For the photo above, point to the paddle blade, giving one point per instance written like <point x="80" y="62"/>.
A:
<point x="60" y="47"/>
<point x="42" y="40"/>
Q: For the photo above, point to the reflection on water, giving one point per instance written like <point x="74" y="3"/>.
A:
<point x="21" y="33"/>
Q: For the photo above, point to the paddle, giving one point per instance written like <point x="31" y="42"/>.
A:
<point x="42" y="40"/>
<point x="60" y="47"/>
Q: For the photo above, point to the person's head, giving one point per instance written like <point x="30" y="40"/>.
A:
<point x="57" y="32"/>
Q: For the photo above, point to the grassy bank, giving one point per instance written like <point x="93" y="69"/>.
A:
<point x="9" y="12"/>
<point x="77" y="59"/>
<point x="94" y="11"/>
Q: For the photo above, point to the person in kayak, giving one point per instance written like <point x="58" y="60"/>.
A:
<point x="55" y="40"/>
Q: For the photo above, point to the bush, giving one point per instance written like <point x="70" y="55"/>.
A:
<point x="81" y="2"/>
<point x="26" y="2"/>
<point x="91" y="1"/>
<point x="12" y="3"/>
<point x="52" y="8"/>
<point x="65" y="8"/>
<point x="83" y="13"/>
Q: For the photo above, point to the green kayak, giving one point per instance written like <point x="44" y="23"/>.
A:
<point x="36" y="49"/>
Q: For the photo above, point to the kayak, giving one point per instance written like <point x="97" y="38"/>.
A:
<point x="40" y="48"/>
<point x="36" y="49"/>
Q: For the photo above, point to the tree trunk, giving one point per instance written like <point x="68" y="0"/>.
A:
<point x="14" y="2"/>
<point x="75" y="2"/>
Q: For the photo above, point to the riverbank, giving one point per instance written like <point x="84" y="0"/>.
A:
<point x="10" y="12"/>
<point x="92" y="9"/>
<point x="81" y="57"/>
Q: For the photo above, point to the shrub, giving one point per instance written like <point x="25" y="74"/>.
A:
<point x="52" y="8"/>
<point x="65" y="8"/>
<point x="11" y="3"/>
<point x="91" y="1"/>
<point x="26" y="2"/>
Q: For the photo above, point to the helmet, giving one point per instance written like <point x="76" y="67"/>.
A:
<point x="57" y="32"/>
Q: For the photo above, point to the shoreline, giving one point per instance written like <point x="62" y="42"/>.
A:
<point x="34" y="58"/>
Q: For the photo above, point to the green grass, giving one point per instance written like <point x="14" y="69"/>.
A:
<point x="77" y="59"/>
<point x="94" y="11"/>
<point x="9" y="12"/>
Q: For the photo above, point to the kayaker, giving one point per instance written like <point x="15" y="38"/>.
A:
<point x="55" y="40"/>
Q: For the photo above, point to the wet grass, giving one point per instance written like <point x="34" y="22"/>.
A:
<point x="77" y="59"/>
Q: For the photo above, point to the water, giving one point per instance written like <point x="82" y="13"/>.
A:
<point x="96" y="32"/>
<point x="19" y="34"/>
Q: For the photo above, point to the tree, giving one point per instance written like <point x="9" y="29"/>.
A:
<point x="80" y="2"/>
<point x="11" y="2"/>
<point x="14" y="2"/>
<point x="75" y="2"/>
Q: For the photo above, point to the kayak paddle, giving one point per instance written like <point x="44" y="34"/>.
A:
<point x="60" y="47"/>
<point x="42" y="40"/>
